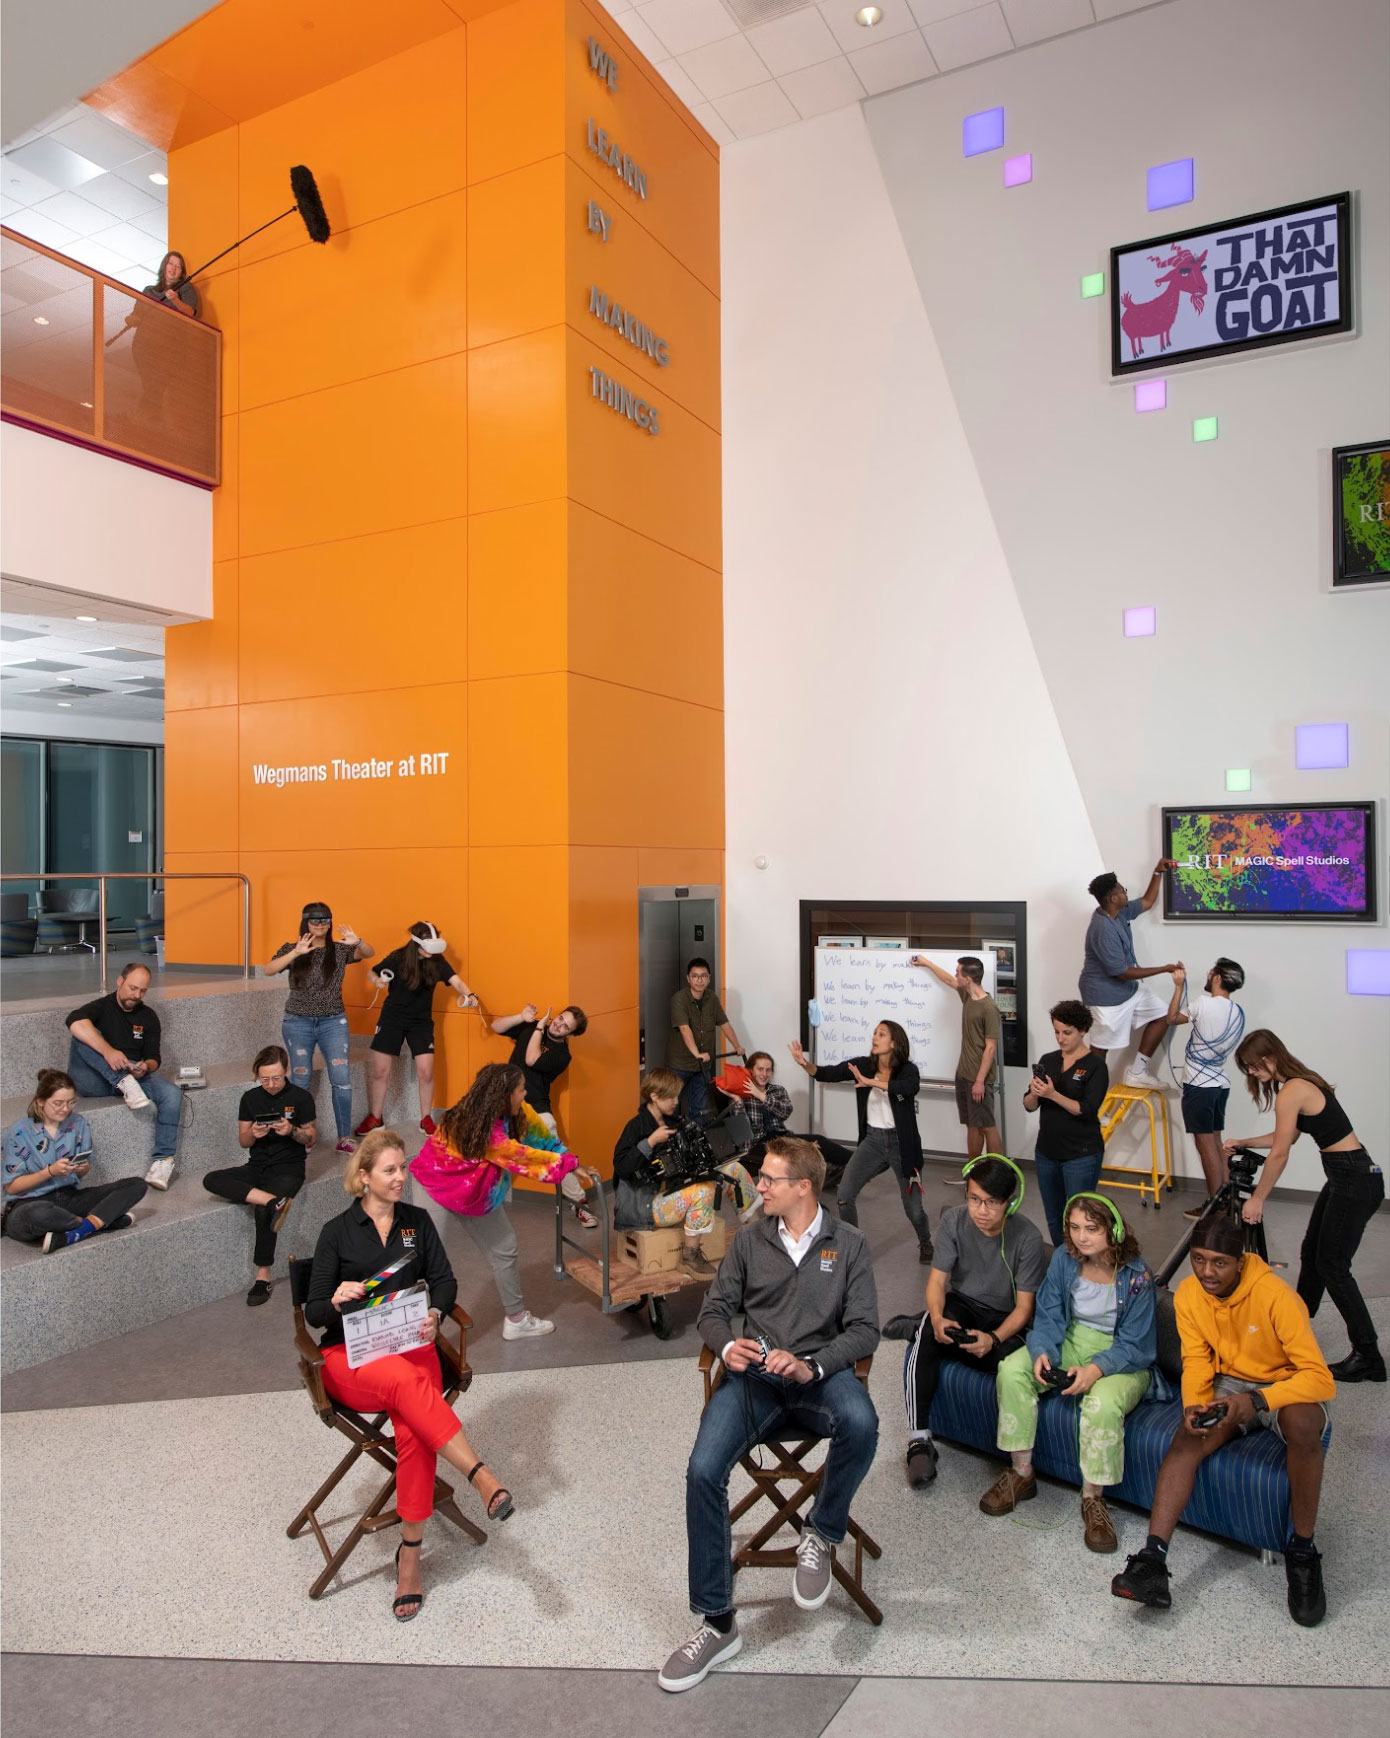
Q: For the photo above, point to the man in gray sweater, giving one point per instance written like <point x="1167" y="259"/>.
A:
<point x="804" y="1285"/>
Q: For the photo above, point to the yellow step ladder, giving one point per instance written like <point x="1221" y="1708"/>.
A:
<point x="1118" y="1103"/>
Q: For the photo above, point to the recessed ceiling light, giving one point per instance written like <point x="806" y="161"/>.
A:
<point x="87" y="618"/>
<point x="87" y="405"/>
<point x="159" y="180"/>
<point x="868" y="16"/>
<point x="40" y="320"/>
<point x="65" y="703"/>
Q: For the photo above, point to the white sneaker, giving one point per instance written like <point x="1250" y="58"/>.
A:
<point x="1139" y="1074"/>
<point x="132" y="1092"/>
<point x="160" y="1173"/>
<point x="526" y="1329"/>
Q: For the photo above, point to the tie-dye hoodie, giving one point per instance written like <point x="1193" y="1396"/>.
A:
<point x="475" y="1186"/>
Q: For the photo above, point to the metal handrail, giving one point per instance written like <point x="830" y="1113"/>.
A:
<point x="101" y="877"/>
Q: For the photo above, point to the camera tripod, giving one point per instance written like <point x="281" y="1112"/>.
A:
<point x="1229" y="1199"/>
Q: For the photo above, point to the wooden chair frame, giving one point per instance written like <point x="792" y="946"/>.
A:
<point x="803" y="1482"/>
<point x="368" y="1437"/>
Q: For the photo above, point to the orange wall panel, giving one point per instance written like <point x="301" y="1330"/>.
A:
<point x="226" y="497"/>
<point x="665" y="486"/>
<point x="407" y="797"/>
<point x="641" y="614"/>
<point x="517" y="591"/>
<point x="517" y="421"/>
<point x="622" y="789"/>
<point x="422" y="637"/>
<point x="516" y="112"/>
<point x="202" y="919"/>
<point x="204" y="207"/>
<point x="511" y="962"/>
<point x="200" y="756"/>
<point x="516" y="761"/>
<point x="601" y="1088"/>
<point x="200" y="658"/>
<point x="310" y="320"/>
<point x="375" y="455"/>
<point x="660" y="866"/>
<point x="516" y="253"/>
<point x="603" y="928"/>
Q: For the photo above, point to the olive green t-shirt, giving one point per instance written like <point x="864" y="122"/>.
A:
<point x="979" y="1022"/>
<point x="704" y="1019"/>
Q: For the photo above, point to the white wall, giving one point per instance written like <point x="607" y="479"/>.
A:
<point x="96" y="525"/>
<point x="937" y="506"/>
<point x="84" y="727"/>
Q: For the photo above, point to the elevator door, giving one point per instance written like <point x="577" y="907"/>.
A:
<point x="675" y="926"/>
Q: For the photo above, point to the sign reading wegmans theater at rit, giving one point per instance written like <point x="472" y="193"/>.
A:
<point x="429" y="765"/>
<point x="1272" y="278"/>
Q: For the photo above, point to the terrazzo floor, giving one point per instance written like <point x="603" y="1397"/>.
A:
<point x="184" y="1505"/>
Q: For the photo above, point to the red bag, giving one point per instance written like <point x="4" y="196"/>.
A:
<point x="734" y="1081"/>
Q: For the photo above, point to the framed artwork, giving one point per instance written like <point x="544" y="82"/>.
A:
<point x="1361" y="514"/>
<point x="1003" y="952"/>
<point x="839" y="941"/>
<point x="1271" y="278"/>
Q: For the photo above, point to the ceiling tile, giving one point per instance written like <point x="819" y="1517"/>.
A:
<point x="48" y="666"/>
<point x="929" y="11"/>
<point x="22" y="185"/>
<point x="126" y="655"/>
<point x="120" y="198"/>
<point x="1114" y="8"/>
<point x="100" y="141"/>
<point x="136" y="244"/>
<point x="972" y="36"/>
<point x="897" y="20"/>
<point x="44" y="231"/>
<point x="714" y="124"/>
<point x="642" y="37"/>
<point x="154" y="224"/>
<point x="816" y="90"/>
<point x="758" y="110"/>
<point x="680" y="83"/>
<point x="720" y="68"/>
<point x="10" y="634"/>
<point x="683" y="25"/>
<point x="787" y="44"/>
<point x="74" y="213"/>
<point x="884" y="66"/>
<point x="138" y="174"/>
<point x="55" y="163"/>
<point x="1033" y="20"/>
<point x="99" y="257"/>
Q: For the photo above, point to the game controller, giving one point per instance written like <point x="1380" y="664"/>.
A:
<point x="959" y="1336"/>
<point x="1057" y="1378"/>
<point x="1209" y="1416"/>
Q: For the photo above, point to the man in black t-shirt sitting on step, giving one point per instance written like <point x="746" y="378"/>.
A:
<point x="277" y="1122"/>
<point x="114" y="1053"/>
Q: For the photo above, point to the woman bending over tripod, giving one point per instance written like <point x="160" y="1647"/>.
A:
<point x="1304" y="1104"/>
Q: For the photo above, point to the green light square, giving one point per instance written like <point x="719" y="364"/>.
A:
<point x="1237" y="778"/>
<point x="1093" y="284"/>
<point x="1204" y="428"/>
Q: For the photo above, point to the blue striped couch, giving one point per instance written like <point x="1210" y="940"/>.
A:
<point x="1242" y="1492"/>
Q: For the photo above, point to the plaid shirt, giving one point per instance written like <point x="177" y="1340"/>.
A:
<point x="769" y="1119"/>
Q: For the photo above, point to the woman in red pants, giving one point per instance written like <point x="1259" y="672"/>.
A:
<point x="378" y="1231"/>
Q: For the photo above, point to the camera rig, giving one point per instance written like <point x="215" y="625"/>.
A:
<point x="1242" y="1168"/>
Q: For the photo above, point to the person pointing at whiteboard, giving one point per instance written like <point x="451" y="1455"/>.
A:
<point x="886" y="1085"/>
<point x="976" y="1074"/>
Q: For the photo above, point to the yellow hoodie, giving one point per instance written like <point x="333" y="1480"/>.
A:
<point x="1260" y="1333"/>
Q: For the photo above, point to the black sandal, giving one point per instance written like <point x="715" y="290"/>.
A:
<point x="403" y="1599"/>
<point x="501" y="1505"/>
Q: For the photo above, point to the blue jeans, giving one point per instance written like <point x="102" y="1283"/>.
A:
<point x="94" y="1077"/>
<point x="301" y="1033"/>
<point x="1059" y="1180"/>
<point x="838" y="1409"/>
<point x="694" y="1092"/>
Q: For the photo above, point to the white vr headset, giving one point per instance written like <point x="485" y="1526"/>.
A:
<point x="434" y="942"/>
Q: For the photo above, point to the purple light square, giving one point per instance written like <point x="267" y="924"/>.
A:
<point x="1170" y="184"/>
<point x="1319" y="746"/>
<point x="1140" y="622"/>
<point x="983" y="132"/>
<point x="1018" y="170"/>
<point x="1368" y="971"/>
<point x="1150" y="395"/>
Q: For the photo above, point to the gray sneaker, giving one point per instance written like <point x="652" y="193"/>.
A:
<point x="691" y="1664"/>
<point x="811" y="1582"/>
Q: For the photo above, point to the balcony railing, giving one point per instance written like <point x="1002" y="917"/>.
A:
<point x="89" y="359"/>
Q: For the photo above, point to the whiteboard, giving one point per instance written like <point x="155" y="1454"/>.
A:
<point x="858" y="987"/>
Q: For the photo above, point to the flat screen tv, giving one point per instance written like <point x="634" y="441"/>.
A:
<point x="1302" y="862"/>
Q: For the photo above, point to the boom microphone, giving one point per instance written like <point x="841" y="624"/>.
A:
<point x="307" y="203"/>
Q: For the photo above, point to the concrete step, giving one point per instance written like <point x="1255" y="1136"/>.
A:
<point x="201" y="1023"/>
<point x="121" y="1137"/>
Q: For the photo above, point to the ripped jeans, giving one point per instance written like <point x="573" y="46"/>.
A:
<point x="301" y="1032"/>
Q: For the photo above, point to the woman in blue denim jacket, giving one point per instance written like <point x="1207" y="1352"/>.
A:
<point x="1095" y="1320"/>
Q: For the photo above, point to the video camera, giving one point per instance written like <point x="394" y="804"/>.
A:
<point x="687" y="1157"/>
<point x="1243" y="1167"/>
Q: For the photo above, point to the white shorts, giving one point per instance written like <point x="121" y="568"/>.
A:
<point x="1114" y="1028"/>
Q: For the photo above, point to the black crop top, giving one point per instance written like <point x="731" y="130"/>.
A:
<point x="1327" y="1126"/>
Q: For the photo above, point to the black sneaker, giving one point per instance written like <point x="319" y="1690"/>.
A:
<point x="901" y="1327"/>
<point x="122" y="1222"/>
<point x="921" y="1462"/>
<point x="1307" y="1600"/>
<point x="1144" y="1578"/>
<point x="925" y="1252"/>
<point x="1360" y="1365"/>
<point x="259" y="1292"/>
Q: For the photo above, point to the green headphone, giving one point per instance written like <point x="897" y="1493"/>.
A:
<point x="1016" y="1200"/>
<point x="1105" y="1201"/>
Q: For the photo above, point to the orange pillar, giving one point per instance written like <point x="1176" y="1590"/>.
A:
<point x="466" y="656"/>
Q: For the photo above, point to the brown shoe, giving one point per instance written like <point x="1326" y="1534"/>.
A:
<point x="1008" y="1491"/>
<point x="1100" y="1529"/>
<point x="697" y="1264"/>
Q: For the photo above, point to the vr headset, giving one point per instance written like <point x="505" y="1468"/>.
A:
<point x="434" y="942"/>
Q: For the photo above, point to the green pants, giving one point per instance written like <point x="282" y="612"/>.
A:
<point x="1103" y="1409"/>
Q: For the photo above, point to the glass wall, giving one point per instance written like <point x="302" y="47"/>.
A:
<point x="83" y="805"/>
